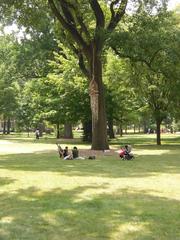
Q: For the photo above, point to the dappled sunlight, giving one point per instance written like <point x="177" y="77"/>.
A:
<point x="45" y="181"/>
<point x="13" y="147"/>
<point x="51" y="219"/>
<point x="5" y="142"/>
<point x="42" y="196"/>
<point x="129" y="230"/>
<point x="124" y="214"/>
<point x="156" y="186"/>
<point x="150" y="152"/>
<point x="6" y="219"/>
<point x="17" y="148"/>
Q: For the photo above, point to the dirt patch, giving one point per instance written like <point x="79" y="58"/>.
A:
<point x="89" y="152"/>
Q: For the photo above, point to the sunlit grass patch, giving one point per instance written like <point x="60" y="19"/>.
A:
<point x="43" y="197"/>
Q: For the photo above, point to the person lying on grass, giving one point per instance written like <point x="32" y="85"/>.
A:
<point x="75" y="153"/>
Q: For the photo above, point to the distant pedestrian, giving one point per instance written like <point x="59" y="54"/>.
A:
<point x="37" y="133"/>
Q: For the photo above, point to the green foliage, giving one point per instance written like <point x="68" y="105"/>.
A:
<point x="149" y="37"/>
<point x="9" y="88"/>
<point x="27" y="110"/>
<point x="62" y="96"/>
<point x="33" y="56"/>
<point x="120" y="96"/>
<point x="151" y="42"/>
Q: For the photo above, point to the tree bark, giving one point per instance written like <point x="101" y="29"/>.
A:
<point x="121" y="131"/>
<point x="58" y="131"/>
<point x="87" y="128"/>
<point x="99" y="124"/>
<point x="4" y="126"/>
<point x="158" y="131"/>
<point x="68" y="131"/>
<point x="92" y="52"/>
<point x="134" y="129"/>
<point x="145" y="127"/>
<point x="110" y="126"/>
<point x="8" y="126"/>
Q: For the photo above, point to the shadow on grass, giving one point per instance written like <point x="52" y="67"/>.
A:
<point x="145" y="140"/>
<point x="5" y="181"/>
<point x="61" y="214"/>
<point x="109" y="166"/>
<point x="43" y="140"/>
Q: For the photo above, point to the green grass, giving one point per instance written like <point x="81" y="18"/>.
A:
<point x="45" y="198"/>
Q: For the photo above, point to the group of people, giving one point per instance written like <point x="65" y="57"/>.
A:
<point x="64" y="153"/>
<point x="125" y="153"/>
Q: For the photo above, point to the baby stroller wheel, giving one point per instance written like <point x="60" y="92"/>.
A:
<point x="129" y="157"/>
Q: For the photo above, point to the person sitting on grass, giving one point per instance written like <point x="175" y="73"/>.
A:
<point x="66" y="154"/>
<point x="60" y="150"/>
<point x="125" y="153"/>
<point x="75" y="153"/>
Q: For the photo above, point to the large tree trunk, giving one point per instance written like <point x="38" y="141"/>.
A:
<point x="99" y="124"/>
<point x="120" y="130"/>
<point x="68" y="131"/>
<point x="87" y="128"/>
<point x="158" y="131"/>
<point x="110" y="126"/>
<point x="4" y="126"/>
<point x="134" y="129"/>
<point x="8" y="126"/>
<point x="145" y="129"/>
<point x="58" y="131"/>
<point x="67" y="17"/>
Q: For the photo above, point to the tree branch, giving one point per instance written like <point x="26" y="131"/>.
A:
<point x="81" y="61"/>
<point x="83" y="27"/>
<point x="83" y="67"/>
<point x="100" y="20"/>
<point x="116" y="16"/>
<point x="113" y="3"/>
<point x="78" y="17"/>
<point x="138" y="59"/>
<point x="70" y="28"/>
<point x="154" y="55"/>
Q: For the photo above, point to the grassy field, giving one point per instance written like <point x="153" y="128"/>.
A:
<point x="45" y="198"/>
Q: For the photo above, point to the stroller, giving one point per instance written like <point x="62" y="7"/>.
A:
<point x="125" y="153"/>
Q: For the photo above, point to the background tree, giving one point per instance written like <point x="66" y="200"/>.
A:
<point x="152" y="44"/>
<point x="26" y="109"/>
<point x="120" y="97"/>
<point x="62" y="96"/>
<point x="9" y="88"/>
<point x="83" y="25"/>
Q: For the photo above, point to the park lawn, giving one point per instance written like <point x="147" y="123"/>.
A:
<point x="45" y="198"/>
